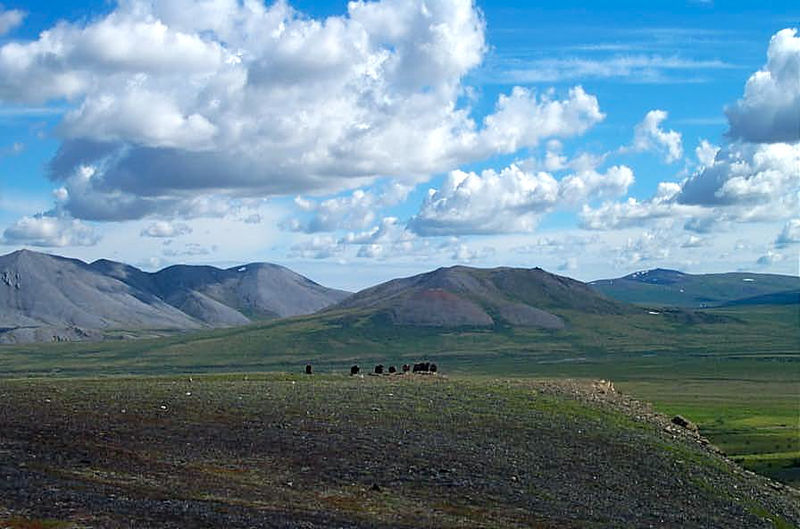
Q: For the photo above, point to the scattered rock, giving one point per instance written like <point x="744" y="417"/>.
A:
<point x="684" y="423"/>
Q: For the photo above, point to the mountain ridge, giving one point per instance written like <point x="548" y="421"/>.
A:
<point x="664" y="287"/>
<point x="480" y="297"/>
<point x="47" y="297"/>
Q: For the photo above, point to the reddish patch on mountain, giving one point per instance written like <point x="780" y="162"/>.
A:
<point x="438" y="308"/>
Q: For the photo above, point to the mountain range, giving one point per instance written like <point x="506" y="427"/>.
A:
<point x="50" y="298"/>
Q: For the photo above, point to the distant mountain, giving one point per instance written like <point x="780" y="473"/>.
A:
<point x="464" y="296"/>
<point x="50" y="298"/>
<point x="45" y="297"/>
<point x="256" y="290"/>
<point x="661" y="287"/>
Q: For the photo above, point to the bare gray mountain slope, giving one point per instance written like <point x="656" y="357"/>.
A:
<point x="46" y="298"/>
<point x="256" y="290"/>
<point x="233" y="296"/>
<point x="464" y="296"/>
<point x="207" y="309"/>
<point x="128" y="274"/>
<point x="44" y="291"/>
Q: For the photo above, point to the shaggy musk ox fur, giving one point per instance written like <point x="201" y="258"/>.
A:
<point x="422" y="367"/>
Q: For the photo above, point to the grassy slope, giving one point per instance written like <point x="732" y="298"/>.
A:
<point x="337" y="451"/>
<point x="742" y="373"/>
<point x="756" y="422"/>
<point x="591" y="345"/>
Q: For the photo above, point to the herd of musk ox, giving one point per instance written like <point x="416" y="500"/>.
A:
<point x="421" y="367"/>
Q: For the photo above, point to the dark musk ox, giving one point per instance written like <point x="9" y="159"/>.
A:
<point x="392" y="369"/>
<point x="422" y="367"/>
<point x="354" y="370"/>
<point x="379" y="369"/>
<point x="308" y="369"/>
<point x="406" y="368"/>
<point x="433" y="368"/>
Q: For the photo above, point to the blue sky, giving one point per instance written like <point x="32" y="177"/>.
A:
<point x="355" y="144"/>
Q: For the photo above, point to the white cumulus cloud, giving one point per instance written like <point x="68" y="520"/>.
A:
<point x="590" y="184"/>
<point x="706" y="153"/>
<point x="46" y="231"/>
<point x="165" y="229"/>
<point x="522" y="119"/>
<point x="755" y="177"/>
<point x="174" y="100"/>
<point x="492" y="202"/>
<point x="649" y="136"/>
<point x="748" y="175"/>
<point x="770" y="108"/>
<point x="511" y="200"/>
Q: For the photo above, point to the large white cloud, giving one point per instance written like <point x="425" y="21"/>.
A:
<point x="46" y="231"/>
<point x="521" y="119"/>
<point x="511" y="200"/>
<point x="180" y="98"/>
<point x="748" y="175"/>
<point x="745" y="183"/>
<point x="71" y="60"/>
<point x="770" y="108"/>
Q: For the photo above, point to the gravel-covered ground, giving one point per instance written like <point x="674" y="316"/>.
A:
<point x="400" y="451"/>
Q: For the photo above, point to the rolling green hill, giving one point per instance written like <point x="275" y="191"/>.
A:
<point x="661" y="287"/>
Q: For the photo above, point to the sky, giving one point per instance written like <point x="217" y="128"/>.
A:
<point x="358" y="142"/>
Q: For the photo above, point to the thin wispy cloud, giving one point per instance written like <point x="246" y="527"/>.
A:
<point x="640" y="68"/>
